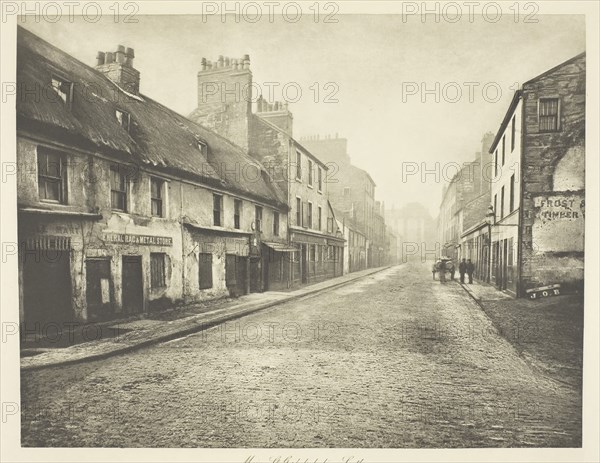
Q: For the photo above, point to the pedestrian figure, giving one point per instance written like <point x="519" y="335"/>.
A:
<point x="442" y="271"/>
<point x="452" y="269"/>
<point x="470" y="270"/>
<point x="462" y="269"/>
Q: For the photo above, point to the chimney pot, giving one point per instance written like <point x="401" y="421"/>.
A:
<point x="203" y="64"/>
<point x="100" y="57"/>
<point x="110" y="57"/>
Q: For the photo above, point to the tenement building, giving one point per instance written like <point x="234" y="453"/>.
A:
<point x="314" y="250"/>
<point x="124" y="205"/>
<point x="538" y="189"/>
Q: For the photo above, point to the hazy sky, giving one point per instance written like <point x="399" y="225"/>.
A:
<point x="375" y="61"/>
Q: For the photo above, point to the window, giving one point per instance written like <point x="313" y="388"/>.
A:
<point x="512" y="193"/>
<point x="310" y="172"/>
<point x="495" y="206"/>
<point x="237" y="212"/>
<point x="320" y="178"/>
<point x="118" y="188"/>
<point x="123" y="119"/>
<point x="298" y="165"/>
<point x="309" y="218"/>
<point x="258" y="218"/>
<point x="319" y="218"/>
<point x="52" y="178"/>
<point x="513" y="134"/>
<point x="157" y="270"/>
<point x="63" y="88"/>
<point x="205" y="278"/>
<point x="275" y="223"/>
<point x="217" y="203"/>
<point x="503" y="148"/>
<point x="156" y="196"/>
<point x="502" y="203"/>
<point x="299" y="212"/>
<point x="496" y="164"/>
<point x="548" y="114"/>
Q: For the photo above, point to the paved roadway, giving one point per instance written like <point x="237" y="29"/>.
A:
<point x="393" y="360"/>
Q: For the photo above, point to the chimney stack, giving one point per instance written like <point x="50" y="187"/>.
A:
<point x="118" y="67"/>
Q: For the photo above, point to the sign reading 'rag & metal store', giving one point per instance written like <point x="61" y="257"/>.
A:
<point x="124" y="238"/>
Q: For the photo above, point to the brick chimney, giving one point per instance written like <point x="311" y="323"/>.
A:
<point x="225" y="98"/>
<point x="277" y="113"/>
<point x="118" y="67"/>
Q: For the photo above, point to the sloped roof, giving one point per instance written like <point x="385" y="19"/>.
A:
<point x="158" y="136"/>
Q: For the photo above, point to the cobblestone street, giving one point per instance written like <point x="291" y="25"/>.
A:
<point x="392" y="360"/>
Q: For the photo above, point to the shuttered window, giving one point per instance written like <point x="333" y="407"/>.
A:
<point x="205" y="278"/>
<point x="157" y="270"/>
<point x="548" y="114"/>
<point x="217" y="203"/>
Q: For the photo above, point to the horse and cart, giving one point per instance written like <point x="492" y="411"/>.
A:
<point x="443" y="267"/>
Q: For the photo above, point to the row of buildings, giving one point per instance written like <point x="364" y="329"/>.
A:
<point x="125" y="206"/>
<point x="517" y="211"/>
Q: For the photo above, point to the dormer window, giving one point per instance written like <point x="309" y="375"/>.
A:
<point x="123" y="118"/>
<point x="63" y="88"/>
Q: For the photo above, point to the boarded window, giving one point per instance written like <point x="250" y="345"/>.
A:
<point x="52" y="178"/>
<point x="118" y="188"/>
<point x="548" y="114"/>
<point x="157" y="270"/>
<point x="205" y="277"/>
<point x="237" y="211"/>
<point x="156" y="195"/>
<point x="217" y="202"/>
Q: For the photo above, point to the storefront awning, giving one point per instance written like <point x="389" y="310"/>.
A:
<point x="279" y="247"/>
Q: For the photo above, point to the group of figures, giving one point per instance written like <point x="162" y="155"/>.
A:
<point x="443" y="266"/>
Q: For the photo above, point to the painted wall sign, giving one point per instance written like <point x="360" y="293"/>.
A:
<point x="559" y="223"/>
<point x="124" y="238"/>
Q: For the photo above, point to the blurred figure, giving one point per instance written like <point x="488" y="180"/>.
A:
<point x="462" y="269"/>
<point x="470" y="270"/>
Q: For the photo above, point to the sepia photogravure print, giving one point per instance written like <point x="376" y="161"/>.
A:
<point x="285" y="232"/>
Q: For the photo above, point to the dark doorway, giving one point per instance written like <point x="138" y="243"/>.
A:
<point x="133" y="286"/>
<point x="255" y="275"/>
<point x="99" y="291"/>
<point x="304" y="267"/>
<point x="236" y="274"/>
<point x="47" y="287"/>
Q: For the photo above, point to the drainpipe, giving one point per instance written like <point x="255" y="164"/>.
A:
<point x="183" y="283"/>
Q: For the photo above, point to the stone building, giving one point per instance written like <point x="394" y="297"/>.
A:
<point x="315" y="245"/>
<point x="351" y="190"/>
<point x="124" y="205"/>
<point x="538" y="190"/>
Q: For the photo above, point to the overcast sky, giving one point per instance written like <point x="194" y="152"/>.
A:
<point x="373" y="61"/>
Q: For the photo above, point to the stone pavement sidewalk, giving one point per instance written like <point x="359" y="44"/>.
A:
<point x="547" y="332"/>
<point x="140" y="333"/>
<point x="484" y="292"/>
